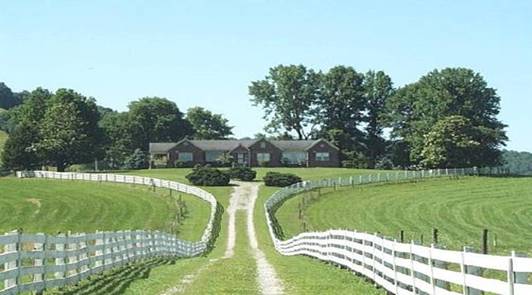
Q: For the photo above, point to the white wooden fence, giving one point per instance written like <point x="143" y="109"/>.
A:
<point x="403" y="268"/>
<point x="34" y="262"/>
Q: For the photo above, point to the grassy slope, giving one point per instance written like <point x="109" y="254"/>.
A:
<point x="460" y="209"/>
<point x="38" y="205"/>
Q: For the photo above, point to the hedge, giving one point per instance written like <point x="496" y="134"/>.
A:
<point x="280" y="179"/>
<point x="208" y="176"/>
<point x="242" y="173"/>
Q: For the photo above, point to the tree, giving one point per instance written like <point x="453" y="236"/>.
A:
<point x="518" y="162"/>
<point x="34" y="107"/>
<point x="7" y="98"/>
<point x="154" y="119"/>
<point x="19" y="149"/>
<point x="378" y="88"/>
<point x="455" y="142"/>
<point x="69" y="131"/>
<point x="207" y="125"/>
<point x="138" y="160"/>
<point x="117" y="142"/>
<point x="288" y="95"/>
<point x="341" y="107"/>
<point x="416" y="108"/>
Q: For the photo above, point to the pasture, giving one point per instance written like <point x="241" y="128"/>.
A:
<point x="459" y="208"/>
<point x="51" y="206"/>
<point x="301" y="275"/>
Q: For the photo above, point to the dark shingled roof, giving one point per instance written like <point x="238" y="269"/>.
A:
<point x="228" y="145"/>
<point x="161" y="147"/>
<point x="220" y="145"/>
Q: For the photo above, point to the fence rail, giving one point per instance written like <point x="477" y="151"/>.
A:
<point x="403" y="268"/>
<point x="34" y="262"/>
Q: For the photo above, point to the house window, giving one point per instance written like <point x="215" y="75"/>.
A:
<point x="263" y="145"/>
<point x="295" y="158"/>
<point x="322" y="156"/>
<point x="213" y="156"/>
<point x="263" y="157"/>
<point x="185" y="157"/>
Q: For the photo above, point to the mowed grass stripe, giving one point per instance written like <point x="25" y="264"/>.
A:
<point x="51" y="206"/>
<point x="459" y="208"/>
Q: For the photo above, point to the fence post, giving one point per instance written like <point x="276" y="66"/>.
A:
<point x="13" y="264"/>
<point x="431" y="265"/>
<point x="37" y="262"/>
<point x="396" y="283"/>
<point x="60" y="247"/>
<point x="412" y="272"/>
<point x="510" y="275"/>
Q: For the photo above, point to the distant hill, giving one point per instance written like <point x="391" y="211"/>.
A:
<point x="518" y="162"/>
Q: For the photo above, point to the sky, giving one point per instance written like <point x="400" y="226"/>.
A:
<point x="206" y="53"/>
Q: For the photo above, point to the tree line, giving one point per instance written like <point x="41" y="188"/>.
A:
<point x="446" y="119"/>
<point x="64" y="127"/>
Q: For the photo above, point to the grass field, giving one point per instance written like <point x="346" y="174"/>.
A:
<point x="50" y="206"/>
<point x="304" y="275"/>
<point x="213" y="274"/>
<point x="300" y="275"/>
<point x="459" y="208"/>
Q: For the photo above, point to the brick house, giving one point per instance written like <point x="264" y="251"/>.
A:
<point x="253" y="153"/>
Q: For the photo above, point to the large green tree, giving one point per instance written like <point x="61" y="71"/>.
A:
<point x="117" y="140"/>
<point x="341" y="107"/>
<point x="155" y="119"/>
<point x="69" y="132"/>
<point x="378" y="88"/>
<point x="207" y="125"/>
<point x="288" y="96"/>
<point x="455" y="142"/>
<point x="416" y="108"/>
<point x="19" y="151"/>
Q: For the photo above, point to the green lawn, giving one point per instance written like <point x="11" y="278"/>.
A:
<point x="459" y="208"/>
<point x="213" y="275"/>
<point x="51" y="206"/>
<point x="304" y="275"/>
<point x="300" y="275"/>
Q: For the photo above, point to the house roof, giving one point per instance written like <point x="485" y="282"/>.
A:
<point x="161" y="147"/>
<point x="229" y="145"/>
<point x="220" y="145"/>
<point x="292" y="145"/>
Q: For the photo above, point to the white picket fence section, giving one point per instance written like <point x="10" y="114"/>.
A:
<point x="403" y="268"/>
<point x="34" y="262"/>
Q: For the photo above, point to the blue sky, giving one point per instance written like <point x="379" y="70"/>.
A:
<point x="206" y="52"/>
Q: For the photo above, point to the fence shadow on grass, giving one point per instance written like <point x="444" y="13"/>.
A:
<point x="115" y="281"/>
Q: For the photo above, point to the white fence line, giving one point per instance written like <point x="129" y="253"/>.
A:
<point x="403" y="268"/>
<point x="34" y="262"/>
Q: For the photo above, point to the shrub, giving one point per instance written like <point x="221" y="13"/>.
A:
<point x="182" y="164"/>
<point x="280" y="179"/>
<point x="208" y="176"/>
<point x="242" y="173"/>
<point x="138" y="160"/>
